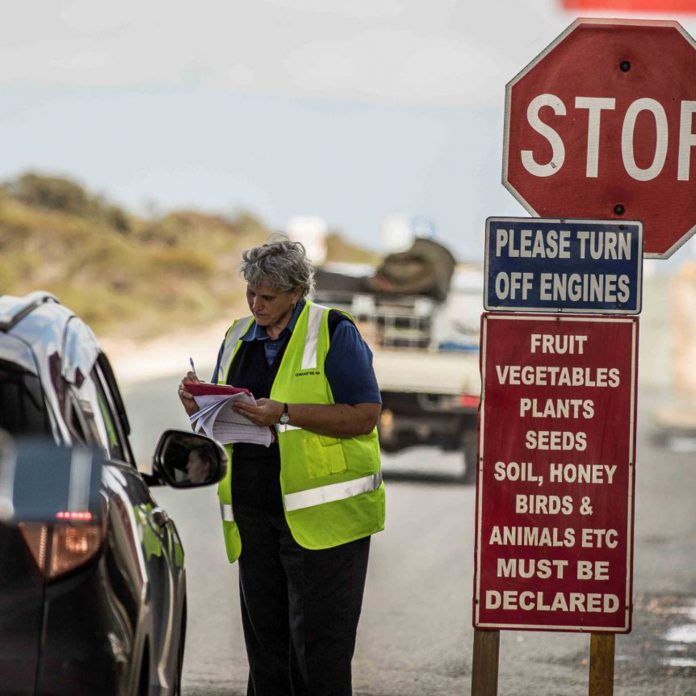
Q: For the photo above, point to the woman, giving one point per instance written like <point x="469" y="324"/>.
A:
<point x="299" y="514"/>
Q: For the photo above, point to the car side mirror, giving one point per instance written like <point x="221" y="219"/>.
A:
<point x="44" y="482"/>
<point x="188" y="460"/>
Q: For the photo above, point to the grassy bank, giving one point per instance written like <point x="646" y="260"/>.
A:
<point x="123" y="273"/>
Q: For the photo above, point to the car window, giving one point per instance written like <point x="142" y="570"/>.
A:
<point x="115" y="446"/>
<point x="22" y="406"/>
<point x="98" y="417"/>
<point x="73" y="418"/>
<point x="110" y="399"/>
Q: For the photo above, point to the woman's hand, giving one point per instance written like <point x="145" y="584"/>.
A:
<point x="266" y="412"/>
<point x="332" y="420"/>
<point x="186" y="397"/>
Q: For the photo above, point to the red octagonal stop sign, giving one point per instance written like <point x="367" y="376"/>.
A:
<point x="602" y="125"/>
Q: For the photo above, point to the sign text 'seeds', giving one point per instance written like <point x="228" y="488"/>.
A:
<point x="581" y="266"/>
<point x="554" y="521"/>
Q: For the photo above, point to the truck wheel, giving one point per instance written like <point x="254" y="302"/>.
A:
<point x="470" y="452"/>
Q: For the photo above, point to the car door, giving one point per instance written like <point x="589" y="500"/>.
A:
<point x="157" y="562"/>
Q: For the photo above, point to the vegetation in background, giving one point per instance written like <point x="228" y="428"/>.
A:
<point x="340" y="249"/>
<point x="126" y="275"/>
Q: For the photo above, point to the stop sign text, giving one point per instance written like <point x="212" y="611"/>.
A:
<point x="655" y="128"/>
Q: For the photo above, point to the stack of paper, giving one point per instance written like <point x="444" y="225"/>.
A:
<point x="218" y="419"/>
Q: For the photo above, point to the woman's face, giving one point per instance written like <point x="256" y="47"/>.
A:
<point x="270" y="306"/>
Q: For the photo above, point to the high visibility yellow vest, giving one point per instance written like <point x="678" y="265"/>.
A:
<point x="331" y="486"/>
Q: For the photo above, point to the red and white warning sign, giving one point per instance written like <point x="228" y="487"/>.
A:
<point x="554" y="517"/>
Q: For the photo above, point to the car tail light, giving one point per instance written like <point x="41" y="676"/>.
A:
<point x="73" y="545"/>
<point x="85" y="516"/>
<point x="469" y="401"/>
<point x="61" y="547"/>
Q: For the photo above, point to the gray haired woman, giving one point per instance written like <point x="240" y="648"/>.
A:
<point x="299" y="514"/>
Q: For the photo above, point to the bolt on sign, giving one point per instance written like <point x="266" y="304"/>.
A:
<point x="554" y="508"/>
<point x="602" y="125"/>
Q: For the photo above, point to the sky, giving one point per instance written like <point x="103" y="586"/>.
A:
<point x="352" y="111"/>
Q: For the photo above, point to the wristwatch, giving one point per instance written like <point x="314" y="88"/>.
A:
<point x="284" y="416"/>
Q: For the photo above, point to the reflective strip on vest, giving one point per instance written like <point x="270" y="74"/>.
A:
<point x="226" y="512"/>
<point x="235" y="333"/>
<point x="284" y="428"/>
<point x="332" y="492"/>
<point x="309" y="355"/>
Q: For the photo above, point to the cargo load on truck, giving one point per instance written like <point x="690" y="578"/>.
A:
<point x="419" y="312"/>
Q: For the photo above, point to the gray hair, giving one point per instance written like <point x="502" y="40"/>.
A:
<point x="283" y="265"/>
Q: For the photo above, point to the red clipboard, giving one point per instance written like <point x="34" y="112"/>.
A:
<point x="207" y="389"/>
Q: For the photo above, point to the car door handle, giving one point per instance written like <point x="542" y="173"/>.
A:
<point x="159" y="517"/>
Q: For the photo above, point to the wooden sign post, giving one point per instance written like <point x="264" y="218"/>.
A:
<point x="484" y="670"/>
<point x="601" y="664"/>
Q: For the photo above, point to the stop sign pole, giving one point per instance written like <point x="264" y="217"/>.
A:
<point x="602" y="124"/>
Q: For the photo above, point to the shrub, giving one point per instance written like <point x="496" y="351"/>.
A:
<point x="65" y="196"/>
<point x="55" y="193"/>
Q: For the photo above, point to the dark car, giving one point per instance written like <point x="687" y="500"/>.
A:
<point x="89" y="604"/>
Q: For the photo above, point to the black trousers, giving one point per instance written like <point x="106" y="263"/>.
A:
<point x="300" y="608"/>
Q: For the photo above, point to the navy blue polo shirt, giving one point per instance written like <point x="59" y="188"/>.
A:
<point x="348" y="363"/>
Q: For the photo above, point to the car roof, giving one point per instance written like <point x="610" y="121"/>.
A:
<point x="50" y="330"/>
<point x="44" y="337"/>
<point x="13" y="309"/>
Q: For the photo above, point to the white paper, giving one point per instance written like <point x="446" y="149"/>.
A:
<point x="217" y="419"/>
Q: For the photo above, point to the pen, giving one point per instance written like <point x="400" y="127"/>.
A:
<point x="193" y="367"/>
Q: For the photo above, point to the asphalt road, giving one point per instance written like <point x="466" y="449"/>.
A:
<point x="415" y="636"/>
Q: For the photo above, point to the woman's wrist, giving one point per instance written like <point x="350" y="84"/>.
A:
<point x="284" y="417"/>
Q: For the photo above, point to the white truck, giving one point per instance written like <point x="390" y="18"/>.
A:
<point x="425" y="357"/>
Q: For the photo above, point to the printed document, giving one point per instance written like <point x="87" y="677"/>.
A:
<point x="218" y="419"/>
